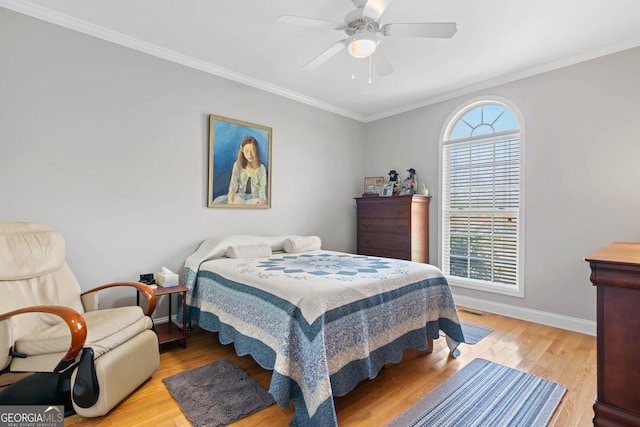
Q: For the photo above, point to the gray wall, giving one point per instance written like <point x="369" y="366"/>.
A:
<point x="581" y="164"/>
<point x="109" y="146"/>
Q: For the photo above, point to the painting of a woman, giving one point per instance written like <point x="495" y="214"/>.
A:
<point x="239" y="164"/>
<point x="248" y="177"/>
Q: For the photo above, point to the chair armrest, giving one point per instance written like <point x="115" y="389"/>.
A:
<point x="73" y="319"/>
<point x="148" y="293"/>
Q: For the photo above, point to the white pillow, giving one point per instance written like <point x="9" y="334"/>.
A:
<point x="249" y="251"/>
<point x="302" y="244"/>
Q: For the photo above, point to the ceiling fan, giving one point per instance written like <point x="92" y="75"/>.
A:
<point x="363" y="29"/>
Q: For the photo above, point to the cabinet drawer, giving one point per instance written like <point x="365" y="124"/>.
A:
<point x="394" y="242"/>
<point x="395" y="210"/>
<point x="384" y="225"/>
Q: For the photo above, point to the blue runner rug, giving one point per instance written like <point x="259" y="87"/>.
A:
<point x="484" y="394"/>
<point x="474" y="333"/>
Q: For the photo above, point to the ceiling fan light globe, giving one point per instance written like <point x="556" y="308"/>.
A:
<point x="362" y="45"/>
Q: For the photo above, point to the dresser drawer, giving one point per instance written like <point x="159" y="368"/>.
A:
<point x="386" y="253"/>
<point x="384" y="226"/>
<point x="389" y="241"/>
<point x="392" y="210"/>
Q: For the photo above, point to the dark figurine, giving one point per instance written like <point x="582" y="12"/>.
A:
<point x="410" y="184"/>
<point x="393" y="179"/>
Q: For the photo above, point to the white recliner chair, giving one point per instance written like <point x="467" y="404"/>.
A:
<point x="87" y="359"/>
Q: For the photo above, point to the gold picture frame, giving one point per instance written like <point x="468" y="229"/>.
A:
<point x="373" y="185"/>
<point x="239" y="164"/>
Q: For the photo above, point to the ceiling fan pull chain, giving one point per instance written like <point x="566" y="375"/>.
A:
<point x="353" y="67"/>
<point x="370" y="69"/>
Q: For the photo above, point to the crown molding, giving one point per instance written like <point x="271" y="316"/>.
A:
<point x="529" y="72"/>
<point x="84" y="27"/>
<point x="103" y="33"/>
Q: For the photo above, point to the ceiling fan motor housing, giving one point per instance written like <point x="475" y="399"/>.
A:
<point x="357" y="23"/>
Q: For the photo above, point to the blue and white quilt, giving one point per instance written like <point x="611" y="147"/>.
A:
<point x="323" y="321"/>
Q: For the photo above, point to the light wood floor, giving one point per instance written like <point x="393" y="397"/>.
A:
<point x="565" y="357"/>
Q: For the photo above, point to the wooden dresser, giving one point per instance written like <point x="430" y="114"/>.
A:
<point x="615" y="271"/>
<point x="394" y="227"/>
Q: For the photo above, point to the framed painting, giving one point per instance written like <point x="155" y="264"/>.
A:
<point x="239" y="164"/>
<point x="373" y="185"/>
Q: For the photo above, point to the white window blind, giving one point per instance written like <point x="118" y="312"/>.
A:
<point x="481" y="204"/>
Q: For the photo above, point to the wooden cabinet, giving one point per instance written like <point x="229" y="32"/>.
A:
<point x="394" y="227"/>
<point x="615" y="271"/>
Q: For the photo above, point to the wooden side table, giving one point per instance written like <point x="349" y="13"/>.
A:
<point x="169" y="331"/>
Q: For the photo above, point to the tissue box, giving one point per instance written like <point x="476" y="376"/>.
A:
<point x="166" y="280"/>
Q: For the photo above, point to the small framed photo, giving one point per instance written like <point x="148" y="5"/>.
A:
<point x="388" y="190"/>
<point x="374" y="185"/>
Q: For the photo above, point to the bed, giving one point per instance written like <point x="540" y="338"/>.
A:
<point x="321" y="320"/>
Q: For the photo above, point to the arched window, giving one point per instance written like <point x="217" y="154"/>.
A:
<point x="482" y="195"/>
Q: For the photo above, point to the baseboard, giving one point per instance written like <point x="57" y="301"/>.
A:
<point x="545" y="318"/>
<point x="165" y="319"/>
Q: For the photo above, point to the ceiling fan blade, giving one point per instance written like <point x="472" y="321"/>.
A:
<point x="375" y="8"/>
<point x="381" y="64"/>
<point x="325" y="56"/>
<point x="443" y="30"/>
<point x="311" y="22"/>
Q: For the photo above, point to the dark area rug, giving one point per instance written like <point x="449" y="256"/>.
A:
<point x="484" y="394"/>
<point x="217" y="394"/>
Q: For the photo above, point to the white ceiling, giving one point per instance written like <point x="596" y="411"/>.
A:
<point x="496" y="41"/>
